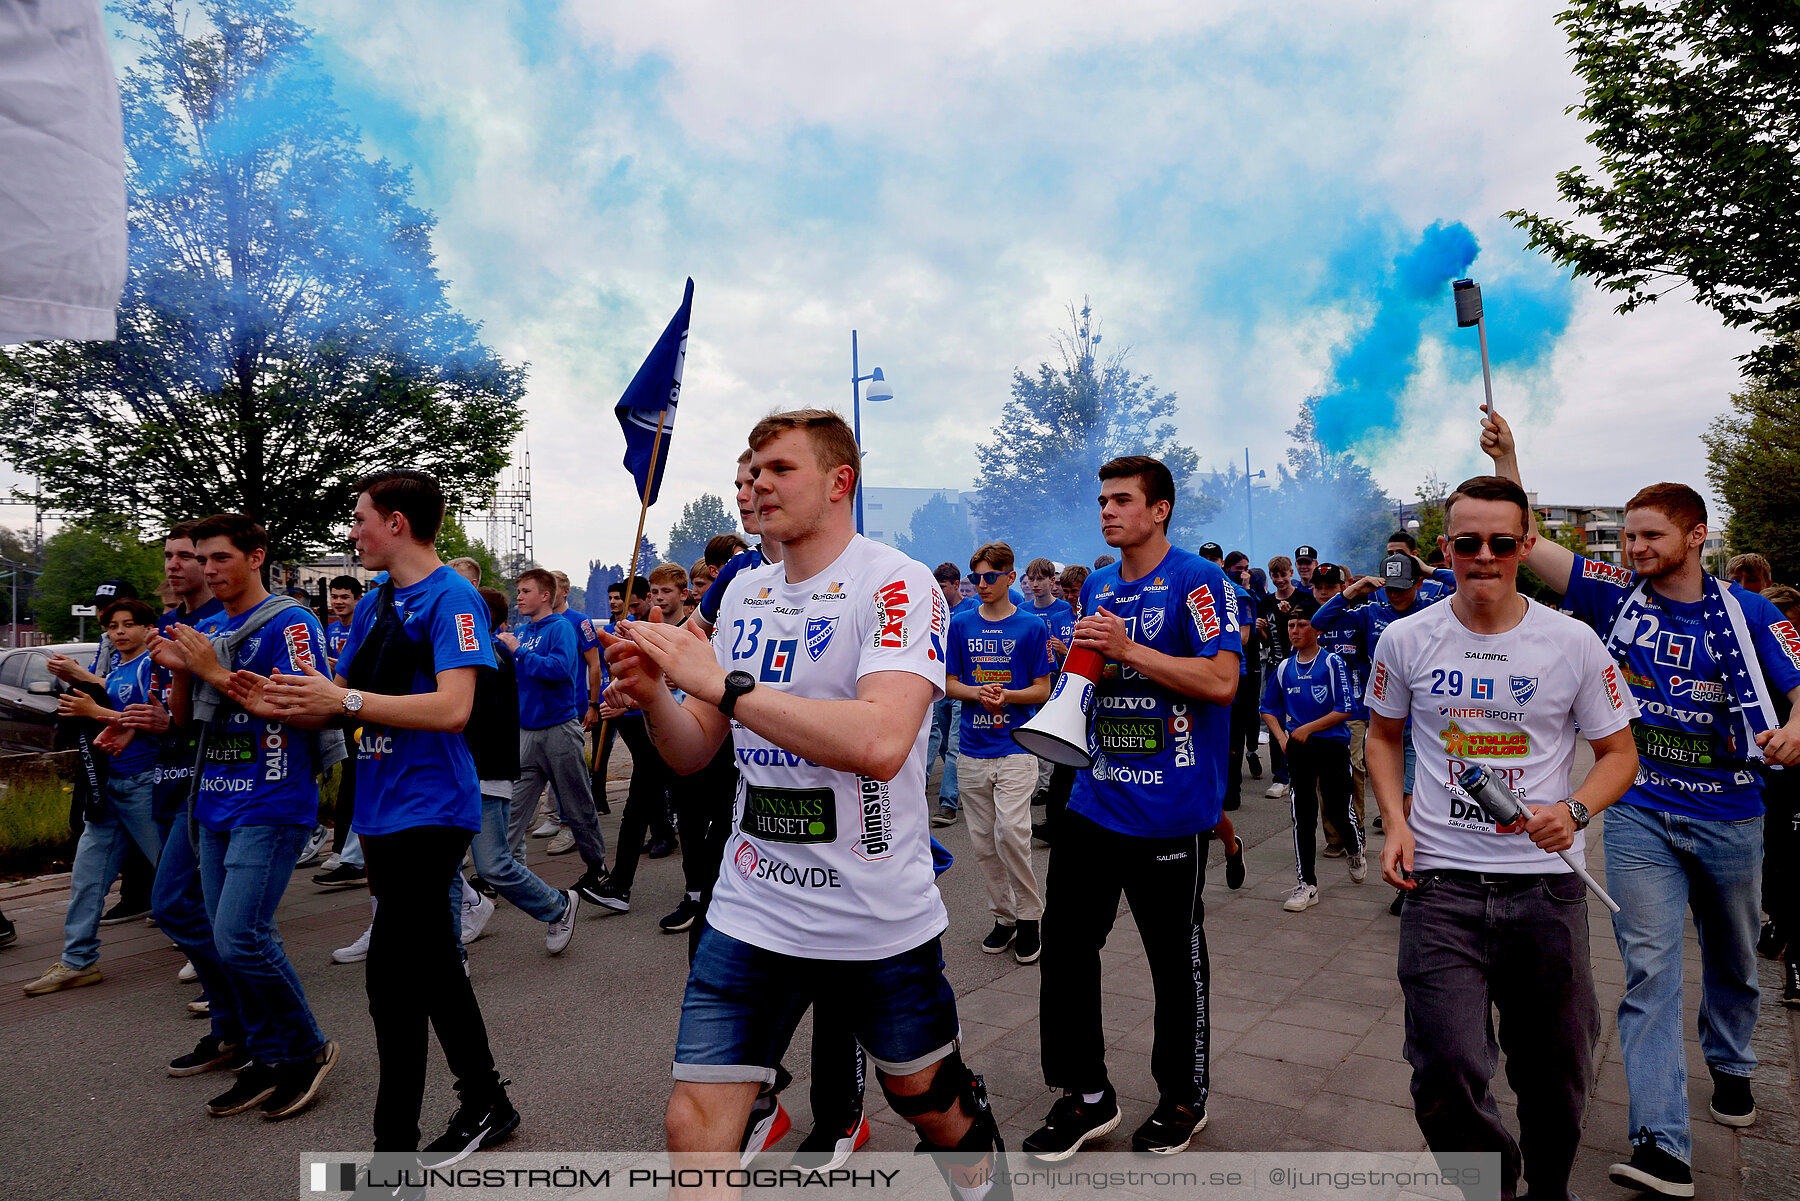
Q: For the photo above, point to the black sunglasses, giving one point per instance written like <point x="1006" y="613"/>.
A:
<point x="986" y="577"/>
<point x="1469" y="545"/>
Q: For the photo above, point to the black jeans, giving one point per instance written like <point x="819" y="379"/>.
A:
<point x="704" y="803"/>
<point x="646" y="802"/>
<point x="1319" y="768"/>
<point x="1472" y="944"/>
<point x="606" y="746"/>
<point x="1062" y="783"/>
<point x="1161" y="878"/>
<point x="415" y="978"/>
<point x="1246" y="726"/>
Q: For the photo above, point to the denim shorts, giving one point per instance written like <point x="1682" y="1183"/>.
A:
<point x="743" y="1003"/>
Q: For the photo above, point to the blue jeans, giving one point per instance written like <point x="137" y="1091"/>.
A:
<point x="1659" y="865"/>
<point x="128" y="817"/>
<point x="179" y="905"/>
<point x="946" y="735"/>
<point x="243" y="874"/>
<point x="494" y="863"/>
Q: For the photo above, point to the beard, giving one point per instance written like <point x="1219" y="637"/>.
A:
<point x="1659" y="567"/>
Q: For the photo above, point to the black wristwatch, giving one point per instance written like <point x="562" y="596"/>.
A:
<point x="737" y="683"/>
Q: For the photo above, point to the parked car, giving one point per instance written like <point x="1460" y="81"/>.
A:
<point x="28" y="695"/>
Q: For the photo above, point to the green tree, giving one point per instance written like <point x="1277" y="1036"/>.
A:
<point x="701" y="518"/>
<point x="454" y="542"/>
<point x="1693" y="109"/>
<point x="939" y="533"/>
<point x="1753" y="457"/>
<point x="1038" y="473"/>
<point x="80" y="556"/>
<point x="283" y="328"/>
<point x="18" y="573"/>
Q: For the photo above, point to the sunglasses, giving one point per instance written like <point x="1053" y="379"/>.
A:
<point x="986" y="577"/>
<point x="1469" y="545"/>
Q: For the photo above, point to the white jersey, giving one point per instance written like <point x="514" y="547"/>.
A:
<point x="826" y="864"/>
<point x="1506" y="701"/>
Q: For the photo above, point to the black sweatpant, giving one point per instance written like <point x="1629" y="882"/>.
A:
<point x="1319" y="768"/>
<point x="1781" y="851"/>
<point x="1062" y="783"/>
<point x="1246" y="727"/>
<point x="704" y="803"/>
<point x="1161" y="878"/>
<point x="645" y="802"/>
<point x="415" y="978"/>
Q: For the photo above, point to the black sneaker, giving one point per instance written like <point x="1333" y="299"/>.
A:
<point x="1072" y="1122"/>
<point x="1041" y="832"/>
<point x="124" y="911"/>
<point x="208" y="1053"/>
<point x="998" y="939"/>
<point x="1028" y="943"/>
<point x="1771" y="941"/>
<point x="685" y="915"/>
<point x="298" y="1083"/>
<point x="1732" y="1104"/>
<point x="591" y="882"/>
<point x="825" y="1150"/>
<point x="608" y="895"/>
<point x="1234" y="865"/>
<point x="1255" y="766"/>
<point x="662" y="848"/>
<point x="8" y="931"/>
<point x="255" y="1083"/>
<point x="478" y="1122"/>
<point x="391" y="1176"/>
<point x="1652" y="1168"/>
<point x="1790" y="992"/>
<point x="483" y="887"/>
<point x="1170" y="1129"/>
<point x="344" y="875"/>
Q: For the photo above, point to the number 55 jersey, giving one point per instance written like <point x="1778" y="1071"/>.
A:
<point x="822" y="863"/>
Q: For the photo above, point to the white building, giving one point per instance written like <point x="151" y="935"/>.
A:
<point x="888" y="512"/>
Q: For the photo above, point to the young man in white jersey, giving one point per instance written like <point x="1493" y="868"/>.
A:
<point x="822" y="671"/>
<point x="1493" y="919"/>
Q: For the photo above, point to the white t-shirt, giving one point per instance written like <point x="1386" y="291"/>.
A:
<point x="62" y="207"/>
<point x="1506" y="701"/>
<point x="826" y="864"/>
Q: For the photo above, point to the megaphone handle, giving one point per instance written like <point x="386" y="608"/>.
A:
<point x="1592" y="883"/>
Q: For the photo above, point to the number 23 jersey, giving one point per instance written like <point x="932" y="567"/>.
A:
<point x="821" y="863"/>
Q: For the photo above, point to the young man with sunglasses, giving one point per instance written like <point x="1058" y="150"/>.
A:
<point x="1493" y="919"/>
<point x="1704" y="659"/>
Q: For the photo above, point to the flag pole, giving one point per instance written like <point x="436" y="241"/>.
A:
<point x="631" y="572"/>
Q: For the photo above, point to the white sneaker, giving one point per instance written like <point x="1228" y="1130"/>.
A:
<point x="547" y="829"/>
<point x="188" y="975"/>
<point x="563" y="843"/>
<point x="560" y="931"/>
<point x="331" y="862"/>
<point x="1276" y="789"/>
<point x="316" y="842"/>
<point x="1304" y="897"/>
<point x="357" y="951"/>
<point x="1359" y="868"/>
<point x="475" y="917"/>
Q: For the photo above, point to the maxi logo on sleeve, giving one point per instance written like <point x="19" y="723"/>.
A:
<point x="789" y="814"/>
<point x="890" y="614"/>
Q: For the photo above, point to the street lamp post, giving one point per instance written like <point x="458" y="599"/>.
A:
<point x="879" y="390"/>
<point x="1249" y="517"/>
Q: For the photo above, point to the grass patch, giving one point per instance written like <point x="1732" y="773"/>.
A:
<point x="34" y="816"/>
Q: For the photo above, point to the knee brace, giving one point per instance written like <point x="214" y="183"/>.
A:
<point x="954" y="1082"/>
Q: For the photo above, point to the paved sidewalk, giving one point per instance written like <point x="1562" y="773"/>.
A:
<point x="1307" y="1026"/>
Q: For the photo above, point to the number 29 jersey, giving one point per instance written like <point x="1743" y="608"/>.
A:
<point x="1159" y="757"/>
<point x="821" y="863"/>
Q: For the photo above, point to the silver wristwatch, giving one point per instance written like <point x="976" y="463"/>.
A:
<point x="353" y="702"/>
<point x="1579" y="812"/>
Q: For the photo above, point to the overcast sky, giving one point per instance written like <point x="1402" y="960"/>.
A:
<point x="1227" y="182"/>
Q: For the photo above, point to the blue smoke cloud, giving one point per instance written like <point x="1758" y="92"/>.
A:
<point x="1527" y="311"/>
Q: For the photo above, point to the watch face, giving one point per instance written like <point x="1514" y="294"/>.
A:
<point x="741" y="681"/>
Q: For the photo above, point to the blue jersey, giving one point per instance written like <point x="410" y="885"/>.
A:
<point x="336" y="634"/>
<point x="1058" y="619"/>
<point x="259" y="772"/>
<point x="715" y="591"/>
<point x="1689" y="759"/>
<point x="1297" y="693"/>
<point x="1244" y="605"/>
<point x="587" y="638"/>
<point x="176" y="769"/>
<point x="548" y="664"/>
<point x="407" y="778"/>
<point x="134" y="683"/>
<point x="1345" y="640"/>
<point x="1013" y="652"/>
<point x="1159" y="757"/>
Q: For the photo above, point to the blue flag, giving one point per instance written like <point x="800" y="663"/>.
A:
<point x="654" y="392"/>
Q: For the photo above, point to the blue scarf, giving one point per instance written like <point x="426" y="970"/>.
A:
<point x="1728" y="641"/>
